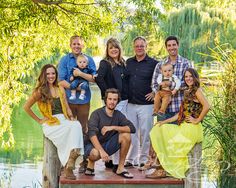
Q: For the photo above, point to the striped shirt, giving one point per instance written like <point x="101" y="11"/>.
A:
<point x="179" y="66"/>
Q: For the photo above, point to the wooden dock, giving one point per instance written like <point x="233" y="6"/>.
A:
<point x="106" y="178"/>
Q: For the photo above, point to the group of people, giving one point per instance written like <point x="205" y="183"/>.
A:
<point x="133" y="91"/>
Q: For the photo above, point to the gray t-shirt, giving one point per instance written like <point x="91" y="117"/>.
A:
<point x="99" y="119"/>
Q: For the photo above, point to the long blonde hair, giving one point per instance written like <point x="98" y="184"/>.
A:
<point x="42" y="84"/>
<point x="114" y="42"/>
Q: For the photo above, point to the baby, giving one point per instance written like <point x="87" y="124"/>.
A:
<point x="82" y="64"/>
<point x="163" y="95"/>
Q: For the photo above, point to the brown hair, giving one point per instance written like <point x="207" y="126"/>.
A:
<point x="190" y="94"/>
<point x="195" y="75"/>
<point x="114" y="91"/>
<point x="42" y="83"/>
<point x="171" y="38"/>
<point x="114" y="42"/>
<point x="74" y="37"/>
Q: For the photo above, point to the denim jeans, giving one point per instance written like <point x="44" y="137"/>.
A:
<point x="167" y="115"/>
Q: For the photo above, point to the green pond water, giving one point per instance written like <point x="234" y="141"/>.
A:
<point x="21" y="166"/>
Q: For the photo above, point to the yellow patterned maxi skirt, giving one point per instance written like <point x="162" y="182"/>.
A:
<point x="172" y="143"/>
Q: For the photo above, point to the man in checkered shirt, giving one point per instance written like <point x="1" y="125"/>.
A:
<point x="180" y="64"/>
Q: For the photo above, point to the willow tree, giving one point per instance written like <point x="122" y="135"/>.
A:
<point x="32" y="30"/>
<point x="168" y="5"/>
<point x="143" y="19"/>
<point x="200" y="28"/>
<point x="199" y="24"/>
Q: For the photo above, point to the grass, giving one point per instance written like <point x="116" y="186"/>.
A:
<point x="221" y="120"/>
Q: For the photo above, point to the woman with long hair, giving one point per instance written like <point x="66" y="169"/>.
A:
<point x="172" y="142"/>
<point x="112" y="74"/>
<point x="112" y="71"/>
<point x="57" y="122"/>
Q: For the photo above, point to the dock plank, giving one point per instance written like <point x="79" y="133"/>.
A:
<point x="106" y="178"/>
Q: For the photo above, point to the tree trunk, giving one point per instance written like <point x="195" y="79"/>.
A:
<point x="51" y="165"/>
<point x="193" y="179"/>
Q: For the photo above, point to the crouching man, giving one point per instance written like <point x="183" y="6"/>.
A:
<point x="109" y="131"/>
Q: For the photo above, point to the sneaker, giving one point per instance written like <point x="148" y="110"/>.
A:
<point x="128" y="164"/>
<point x="72" y="97"/>
<point x="141" y="165"/>
<point x="83" y="166"/>
<point x="82" y="97"/>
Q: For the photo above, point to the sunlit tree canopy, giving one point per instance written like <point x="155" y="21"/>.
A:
<point x="33" y="31"/>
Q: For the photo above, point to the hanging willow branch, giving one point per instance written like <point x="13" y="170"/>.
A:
<point x="68" y="8"/>
<point x="200" y="28"/>
<point x="45" y="2"/>
<point x="75" y="12"/>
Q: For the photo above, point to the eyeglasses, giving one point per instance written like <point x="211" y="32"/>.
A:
<point x="139" y="46"/>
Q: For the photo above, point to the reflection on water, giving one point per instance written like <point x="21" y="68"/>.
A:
<point x="21" y="175"/>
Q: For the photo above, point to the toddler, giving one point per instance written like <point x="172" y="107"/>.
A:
<point x="82" y="65"/>
<point x="163" y="95"/>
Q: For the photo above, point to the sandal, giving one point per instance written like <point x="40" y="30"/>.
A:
<point x="146" y="166"/>
<point x="125" y="174"/>
<point x="149" y="165"/>
<point x="160" y="173"/>
<point x="89" y="172"/>
<point x="114" y="169"/>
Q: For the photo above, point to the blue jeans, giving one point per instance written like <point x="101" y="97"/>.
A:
<point x="75" y="83"/>
<point x="167" y="115"/>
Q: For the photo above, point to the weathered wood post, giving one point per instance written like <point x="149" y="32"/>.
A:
<point x="193" y="179"/>
<point x="51" y="165"/>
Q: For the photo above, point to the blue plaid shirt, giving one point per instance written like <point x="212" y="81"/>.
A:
<point x="180" y="66"/>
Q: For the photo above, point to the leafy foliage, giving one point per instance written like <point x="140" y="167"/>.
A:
<point x="168" y="5"/>
<point x="32" y="30"/>
<point x="143" y="19"/>
<point x="222" y="119"/>
<point x="35" y="30"/>
<point x="200" y="28"/>
<point x="198" y="24"/>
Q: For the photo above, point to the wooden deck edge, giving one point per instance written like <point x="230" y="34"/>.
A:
<point x="123" y="181"/>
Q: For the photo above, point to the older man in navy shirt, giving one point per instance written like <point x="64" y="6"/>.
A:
<point x="140" y="101"/>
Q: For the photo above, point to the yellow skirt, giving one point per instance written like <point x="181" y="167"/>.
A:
<point x="172" y="143"/>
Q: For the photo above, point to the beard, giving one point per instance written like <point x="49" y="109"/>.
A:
<point x="111" y="108"/>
